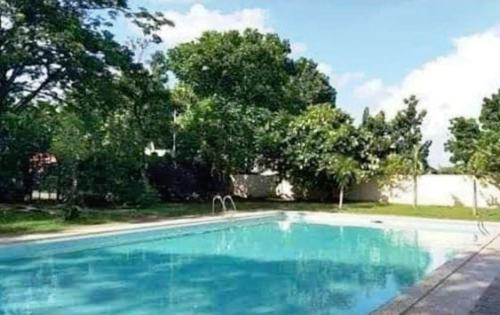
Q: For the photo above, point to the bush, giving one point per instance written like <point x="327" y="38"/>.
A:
<point x="185" y="181"/>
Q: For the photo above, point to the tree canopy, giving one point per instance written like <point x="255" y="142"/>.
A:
<point x="249" y="68"/>
<point x="48" y="47"/>
<point x="474" y="145"/>
<point x="113" y="127"/>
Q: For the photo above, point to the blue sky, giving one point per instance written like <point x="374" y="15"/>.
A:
<point x="375" y="51"/>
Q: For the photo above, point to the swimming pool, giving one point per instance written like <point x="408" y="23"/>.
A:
<point x="269" y="265"/>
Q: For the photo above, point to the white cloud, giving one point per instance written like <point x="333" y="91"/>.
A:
<point x="298" y="49"/>
<point x="340" y="80"/>
<point x="198" y="19"/>
<point x="346" y="79"/>
<point x="449" y="86"/>
<point x="325" y="68"/>
<point x="373" y="91"/>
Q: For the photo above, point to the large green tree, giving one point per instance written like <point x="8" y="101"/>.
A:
<point x="251" y="69"/>
<point x="222" y="134"/>
<point x="406" y="127"/>
<point x="101" y="150"/>
<point x="235" y="89"/>
<point x="50" y="46"/>
<point x="396" y="149"/>
<point x="22" y="135"/>
<point x="308" y="86"/>
<point x="464" y="134"/>
<point x="376" y="141"/>
<point x="475" y="146"/>
<point x="320" y="149"/>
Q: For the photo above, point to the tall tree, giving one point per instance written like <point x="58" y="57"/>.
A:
<point x="308" y="85"/>
<point x="475" y="147"/>
<point x="406" y="127"/>
<point x="49" y="46"/>
<point x="490" y="113"/>
<point x="221" y="133"/>
<point x="251" y="69"/>
<point x="22" y="136"/>
<point x="462" y="144"/>
<point x="320" y="148"/>
<point x="376" y="141"/>
<point x="241" y="87"/>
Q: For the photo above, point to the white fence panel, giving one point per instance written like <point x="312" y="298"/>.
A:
<point x="444" y="190"/>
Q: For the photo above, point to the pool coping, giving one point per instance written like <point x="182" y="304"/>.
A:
<point x="476" y="266"/>
<point x="119" y="228"/>
<point x="107" y="228"/>
<point x="439" y="292"/>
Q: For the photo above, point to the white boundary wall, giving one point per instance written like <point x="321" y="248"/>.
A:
<point x="444" y="190"/>
<point x="253" y="186"/>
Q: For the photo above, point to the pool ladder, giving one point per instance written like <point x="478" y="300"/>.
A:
<point x="223" y="203"/>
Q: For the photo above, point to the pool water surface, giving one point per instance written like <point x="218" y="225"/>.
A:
<point x="249" y="267"/>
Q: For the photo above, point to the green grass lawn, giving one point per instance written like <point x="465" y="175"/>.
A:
<point x="15" y="222"/>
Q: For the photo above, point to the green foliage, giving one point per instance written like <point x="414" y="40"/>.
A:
<point x="319" y="148"/>
<point x="308" y="85"/>
<point x="236" y="94"/>
<point x="221" y="133"/>
<point x="49" y="47"/>
<point x="345" y="170"/>
<point x="248" y="68"/>
<point x="22" y="135"/>
<point x="464" y="136"/>
<point x="388" y="147"/>
<point x="406" y="129"/>
<point x="376" y="142"/>
<point x="101" y="148"/>
<point x="475" y="147"/>
<point x="251" y="69"/>
<point x="490" y="113"/>
<point x="271" y="144"/>
<point x="413" y="164"/>
<point x="395" y="165"/>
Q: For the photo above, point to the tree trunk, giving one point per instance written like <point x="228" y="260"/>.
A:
<point x="415" y="192"/>
<point x="74" y="186"/>
<point x="341" y="197"/>
<point x="174" y="139"/>
<point x="474" y="185"/>
<point x="144" y="170"/>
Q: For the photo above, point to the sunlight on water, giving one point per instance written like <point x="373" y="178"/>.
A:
<point x="269" y="268"/>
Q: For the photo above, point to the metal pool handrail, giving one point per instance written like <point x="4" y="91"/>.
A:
<point x="228" y="197"/>
<point x="223" y="203"/>
<point x="214" y="200"/>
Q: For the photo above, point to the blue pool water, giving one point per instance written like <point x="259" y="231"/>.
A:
<point x="245" y="268"/>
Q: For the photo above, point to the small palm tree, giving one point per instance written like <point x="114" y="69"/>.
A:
<point x="407" y="165"/>
<point x="477" y="167"/>
<point x="345" y="171"/>
<point x="417" y="167"/>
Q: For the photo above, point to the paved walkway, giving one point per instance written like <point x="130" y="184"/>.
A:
<point x="456" y="287"/>
<point x="489" y="303"/>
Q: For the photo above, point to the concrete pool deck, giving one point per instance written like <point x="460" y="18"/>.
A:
<point x="465" y="284"/>
<point x="109" y="228"/>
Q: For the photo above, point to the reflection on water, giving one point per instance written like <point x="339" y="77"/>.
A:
<point x="261" y="269"/>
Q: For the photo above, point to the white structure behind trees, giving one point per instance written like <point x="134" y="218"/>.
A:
<point x="442" y="190"/>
